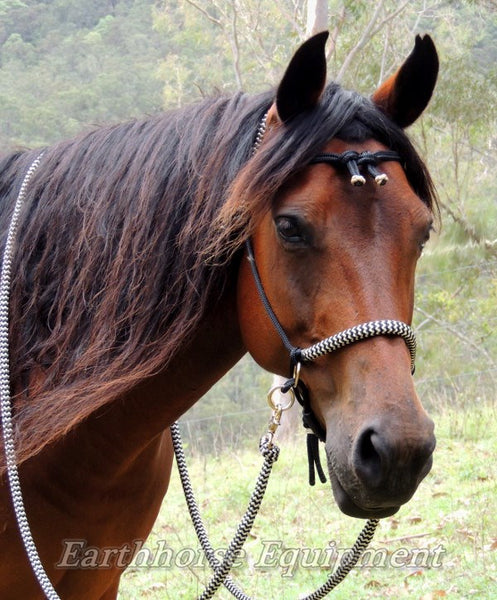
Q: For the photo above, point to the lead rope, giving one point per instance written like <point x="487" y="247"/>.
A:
<point x="6" y="409"/>
<point x="221" y="569"/>
<point x="270" y="452"/>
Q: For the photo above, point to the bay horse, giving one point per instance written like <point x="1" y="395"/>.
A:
<point x="132" y="295"/>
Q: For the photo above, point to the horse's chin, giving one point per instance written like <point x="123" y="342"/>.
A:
<point x="350" y="508"/>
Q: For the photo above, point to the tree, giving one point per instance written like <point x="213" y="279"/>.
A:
<point x="317" y="17"/>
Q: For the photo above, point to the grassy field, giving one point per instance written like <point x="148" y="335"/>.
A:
<point x="442" y="544"/>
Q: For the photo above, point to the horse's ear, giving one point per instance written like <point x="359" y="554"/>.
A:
<point x="405" y="95"/>
<point x="304" y="79"/>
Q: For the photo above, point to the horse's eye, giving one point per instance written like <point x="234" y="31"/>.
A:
<point x="290" y="230"/>
<point x="426" y="239"/>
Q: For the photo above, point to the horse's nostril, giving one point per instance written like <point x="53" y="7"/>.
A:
<point x="370" y="458"/>
<point x="387" y="461"/>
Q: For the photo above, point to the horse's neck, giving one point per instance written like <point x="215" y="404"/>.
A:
<point x="215" y="348"/>
<point x="105" y="480"/>
<point x="124" y="434"/>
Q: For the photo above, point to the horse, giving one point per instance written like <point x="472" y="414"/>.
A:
<point x="131" y="295"/>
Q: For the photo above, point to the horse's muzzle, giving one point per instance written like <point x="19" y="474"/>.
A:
<point x="383" y="470"/>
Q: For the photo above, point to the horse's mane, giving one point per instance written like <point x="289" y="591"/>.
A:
<point x="129" y="234"/>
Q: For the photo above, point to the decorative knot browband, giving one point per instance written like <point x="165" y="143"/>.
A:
<point x="350" y="158"/>
<point x="354" y="160"/>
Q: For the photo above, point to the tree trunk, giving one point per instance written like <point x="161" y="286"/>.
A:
<point x="317" y="17"/>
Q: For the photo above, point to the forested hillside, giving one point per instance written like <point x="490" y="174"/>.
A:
<point x="66" y="65"/>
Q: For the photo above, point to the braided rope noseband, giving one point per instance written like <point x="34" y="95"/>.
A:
<point x="386" y="327"/>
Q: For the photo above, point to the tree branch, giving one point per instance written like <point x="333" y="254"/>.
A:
<point x="235" y="48"/>
<point x="457" y="334"/>
<point x="363" y="40"/>
<point x="390" y="17"/>
<point x="335" y="33"/>
<point x="206" y="14"/>
<point x="369" y="32"/>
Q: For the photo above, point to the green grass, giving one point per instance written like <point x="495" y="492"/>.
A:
<point x="442" y="544"/>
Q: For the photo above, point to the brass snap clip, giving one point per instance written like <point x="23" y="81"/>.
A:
<point x="281" y="398"/>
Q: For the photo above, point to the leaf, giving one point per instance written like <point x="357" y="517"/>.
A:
<point x="493" y="545"/>
<point x="373" y="583"/>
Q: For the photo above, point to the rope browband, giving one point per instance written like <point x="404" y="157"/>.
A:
<point x="353" y="160"/>
<point x="350" y="159"/>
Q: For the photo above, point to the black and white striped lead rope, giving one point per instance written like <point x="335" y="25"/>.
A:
<point x="220" y="577"/>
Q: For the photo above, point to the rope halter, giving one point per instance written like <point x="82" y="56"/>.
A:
<point x="353" y="162"/>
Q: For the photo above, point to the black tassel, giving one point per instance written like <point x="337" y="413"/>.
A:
<point x="314" y="459"/>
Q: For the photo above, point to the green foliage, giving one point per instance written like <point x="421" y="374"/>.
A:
<point x="65" y="65"/>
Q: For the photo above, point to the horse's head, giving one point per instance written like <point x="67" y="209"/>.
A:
<point x="332" y="255"/>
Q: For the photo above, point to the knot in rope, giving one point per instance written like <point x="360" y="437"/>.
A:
<point x="354" y="160"/>
<point x="269" y="451"/>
